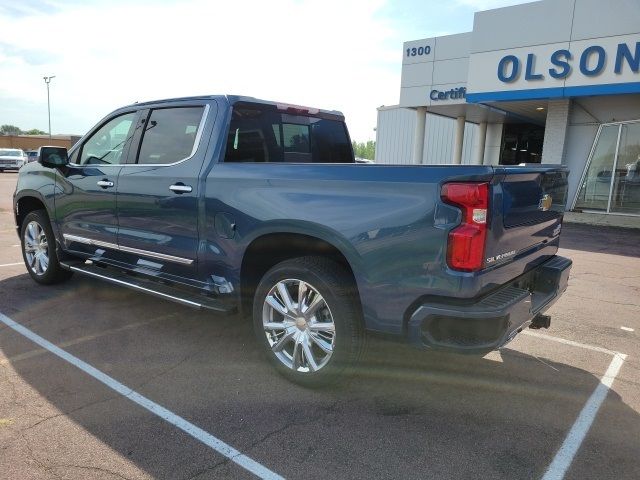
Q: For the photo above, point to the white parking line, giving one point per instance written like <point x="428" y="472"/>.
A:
<point x="216" y="444"/>
<point x="572" y="442"/>
<point x="563" y="459"/>
<point x="570" y="342"/>
<point x="11" y="264"/>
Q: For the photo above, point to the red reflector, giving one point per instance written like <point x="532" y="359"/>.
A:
<point x="465" y="249"/>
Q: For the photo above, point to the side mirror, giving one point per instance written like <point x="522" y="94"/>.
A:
<point x="53" y="157"/>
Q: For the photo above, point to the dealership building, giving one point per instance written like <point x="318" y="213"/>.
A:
<point x="553" y="81"/>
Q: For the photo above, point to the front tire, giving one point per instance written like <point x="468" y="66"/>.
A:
<point x="307" y="319"/>
<point x="39" y="249"/>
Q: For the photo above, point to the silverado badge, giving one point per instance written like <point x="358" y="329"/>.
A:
<point x="545" y="202"/>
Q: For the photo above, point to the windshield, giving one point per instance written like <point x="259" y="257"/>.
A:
<point x="11" y="153"/>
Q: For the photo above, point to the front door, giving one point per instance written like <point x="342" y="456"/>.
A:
<point x="158" y="191"/>
<point x="85" y="205"/>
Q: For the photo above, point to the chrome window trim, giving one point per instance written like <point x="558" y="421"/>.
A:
<point x="196" y="144"/>
<point x="113" y="246"/>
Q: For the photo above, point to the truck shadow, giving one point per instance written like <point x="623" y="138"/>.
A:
<point x="609" y="240"/>
<point x="406" y="413"/>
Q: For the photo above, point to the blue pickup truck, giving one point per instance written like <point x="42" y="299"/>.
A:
<point x="231" y="203"/>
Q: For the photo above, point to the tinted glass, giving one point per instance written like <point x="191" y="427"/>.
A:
<point x="170" y="135"/>
<point x="594" y="191"/>
<point x="109" y="144"/>
<point x="262" y="134"/>
<point x="626" y="187"/>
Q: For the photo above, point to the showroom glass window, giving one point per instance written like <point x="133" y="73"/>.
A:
<point x="612" y="180"/>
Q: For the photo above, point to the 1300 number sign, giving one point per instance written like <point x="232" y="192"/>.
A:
<point x="413" y="52"/>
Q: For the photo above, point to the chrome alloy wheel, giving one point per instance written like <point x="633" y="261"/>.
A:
<point x="36" y="248"/>
<point x="300" y="332"/>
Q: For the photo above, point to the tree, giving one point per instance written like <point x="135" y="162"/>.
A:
<point x="10" y="130"/>
<point x="34" y="131"/>
<point x="365" y="150"/>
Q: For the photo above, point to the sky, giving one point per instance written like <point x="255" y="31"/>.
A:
<point x="335" y="54"/>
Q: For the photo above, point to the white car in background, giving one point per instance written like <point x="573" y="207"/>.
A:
<point x="12" y="159"/>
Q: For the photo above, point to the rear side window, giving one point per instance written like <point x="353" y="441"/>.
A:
<point x="170" y="135"/>
<point x="263" y="134"/>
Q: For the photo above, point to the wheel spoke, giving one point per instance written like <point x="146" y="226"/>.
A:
<point x="31" y="231"/>
<point x="311" y="361"/>
<point x="322" y="327"/>
<point x="316" y="303"/>
<point x="278" y="325"/>
<point x="280" y="344"/>
<point x="275" y="303"/>
<point x="323" y="344"/>
<point x="284" y="295"/>
<point x="297" y="354"/>
<point x="302" y="295"/>
<point x="44" y="261"/>
<point x="40" y="264"/>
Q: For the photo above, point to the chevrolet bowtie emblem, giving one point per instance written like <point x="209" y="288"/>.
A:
<point x="545" y="202"/>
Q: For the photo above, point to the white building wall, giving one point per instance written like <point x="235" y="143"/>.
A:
<point x="493" y="144"/>
<point x="555" y="132"/>
<point x="394" y="137"/>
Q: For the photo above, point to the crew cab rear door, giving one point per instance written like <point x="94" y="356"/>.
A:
<point x="158" y="191"/>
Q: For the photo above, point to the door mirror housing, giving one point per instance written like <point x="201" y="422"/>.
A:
<point x="53" y="157"/>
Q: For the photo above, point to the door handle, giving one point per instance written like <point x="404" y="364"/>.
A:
<point x="181" y="188"/>
<point x="105" y="183"/>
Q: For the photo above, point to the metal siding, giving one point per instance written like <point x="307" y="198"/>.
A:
<point x="394" y="138"/>
<point x="394" y="135"/>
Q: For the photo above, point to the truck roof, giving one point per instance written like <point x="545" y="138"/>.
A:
<point x="233" y="99"/>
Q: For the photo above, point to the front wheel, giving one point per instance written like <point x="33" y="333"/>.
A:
<point x="39" y="249"/>
<point x="307" y="318"/>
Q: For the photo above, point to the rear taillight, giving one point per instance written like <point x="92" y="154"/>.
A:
<point x="465" y="249"/>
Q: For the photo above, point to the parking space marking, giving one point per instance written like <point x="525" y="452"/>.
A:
<point x="11" y="264"/>
<point x="572" y="442"/>
<point x="571" y="342"/>
<point x="563" y="459"/>
<point x="199" y="434"/>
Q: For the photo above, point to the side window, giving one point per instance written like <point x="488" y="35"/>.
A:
<point x="264" y="134"/>
<point x="107" y="145"/>
<point x="170" y="135"/>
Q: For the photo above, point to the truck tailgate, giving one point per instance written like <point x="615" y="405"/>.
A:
<point x="528" y="204"/>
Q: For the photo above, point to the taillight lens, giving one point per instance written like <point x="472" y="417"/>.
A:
<point x="465" y="249"/>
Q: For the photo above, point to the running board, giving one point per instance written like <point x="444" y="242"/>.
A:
<point x="147" y="286"/>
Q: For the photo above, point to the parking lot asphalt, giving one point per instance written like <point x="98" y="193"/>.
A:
<point x="405" y="414"/>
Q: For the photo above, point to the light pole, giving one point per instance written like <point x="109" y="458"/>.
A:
<point x="47" y="80"/>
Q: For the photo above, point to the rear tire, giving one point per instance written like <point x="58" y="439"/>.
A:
<point x="307" y="318"/>
<point x="39" y="249"/>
